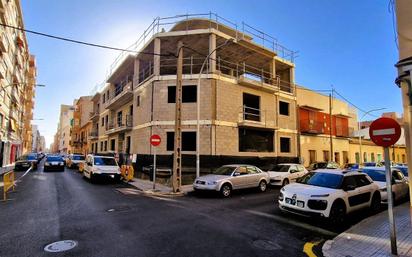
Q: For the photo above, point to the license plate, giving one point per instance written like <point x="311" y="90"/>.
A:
<point x="26" y="165"/>
<point x="54" y="163"/>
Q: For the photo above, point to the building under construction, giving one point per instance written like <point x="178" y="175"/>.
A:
<point x="247" y="95"/>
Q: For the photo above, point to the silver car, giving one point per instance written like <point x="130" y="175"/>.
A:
<point x="231" y="177"/>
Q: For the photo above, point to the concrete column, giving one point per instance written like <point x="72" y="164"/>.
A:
<point x="156" y="58"/>
<point x="136" y="71"/>
<point x="212" y="47"/>
<point x="273" y="69"/>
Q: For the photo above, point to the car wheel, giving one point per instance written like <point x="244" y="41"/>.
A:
<point x="226" y="190"/>
<point x="375" y="203"/>
<point x="337" y="214"/>
<point x="117" y="178"/>
<point x="285" y="182"/>
<point x="262" y="186"/>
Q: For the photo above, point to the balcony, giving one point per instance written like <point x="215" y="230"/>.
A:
<point x="120" y="125"/>
<point x="94" y="115"/>
<point x="93" y="135"/>
<point x="252" y="117"/>
<point x="311" y="126"/>
<point x="14" y="95"/>
<point x="122" y="95"/>
<point x="342" y="131"/>
<point x="2" y="71"/>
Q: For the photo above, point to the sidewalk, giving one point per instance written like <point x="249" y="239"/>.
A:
<point x="370" y="237"/>
<point x="147" y="187"/>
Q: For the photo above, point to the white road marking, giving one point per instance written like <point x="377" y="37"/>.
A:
<point x="383" y="132"/>
<point x="293" y="222"/>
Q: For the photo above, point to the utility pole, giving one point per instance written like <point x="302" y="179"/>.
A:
<point x="177" y="156"/>
<point x="330" y="126"/>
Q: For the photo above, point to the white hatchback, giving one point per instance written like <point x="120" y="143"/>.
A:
<point x="97" y="165"/>
<point x="285" y="173"/>
<point x="331" y="194"/>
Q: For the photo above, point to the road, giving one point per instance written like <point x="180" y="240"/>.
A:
<point x="108" y="219"/>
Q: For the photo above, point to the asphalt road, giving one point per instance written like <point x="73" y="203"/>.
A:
<point x="108" y="219"/>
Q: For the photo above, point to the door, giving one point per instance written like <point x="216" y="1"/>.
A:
<point x="350" y="187"/>
<point x="293" y="173"/>
<point x="253" y="176"/>
<point x="399" y="187"/>
<point x="239" y="178"/>
<point x="364" y="189"/>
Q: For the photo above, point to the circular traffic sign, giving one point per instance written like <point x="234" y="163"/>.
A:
<point x="155" y="140"/>
<point x="385" y="131"/>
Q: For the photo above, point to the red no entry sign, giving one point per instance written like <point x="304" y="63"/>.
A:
<point x="385" y="131"/>
<point x="155" y="140"/>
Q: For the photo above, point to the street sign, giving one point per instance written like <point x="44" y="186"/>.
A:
<point x="385" y="131"/>
<point x="155" y="140"/>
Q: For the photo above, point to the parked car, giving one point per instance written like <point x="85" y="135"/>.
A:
<point x="74" y="160"/>
<point x="232" y="177"/>
<point x="403" y="169"/>
<point x="26" y="161"/>
<point x="97" y="165"/>
<point x="54" y="162"/>
<point x="323" y="165"/>
<point x="400" y="186"/>
<point x="285" y="173"/>
<point x="372" y="164"/>
<point x="330" y="194"/>
<point x="351" y="166"/>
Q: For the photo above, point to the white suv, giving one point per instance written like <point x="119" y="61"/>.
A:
<point x="97" y="165"/>
<point x="285" y="173"/>
<point x="331" y="194"/>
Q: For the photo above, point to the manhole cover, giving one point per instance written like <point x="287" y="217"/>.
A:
<point x="266" y="245"/>
<point x="60" y="246"/>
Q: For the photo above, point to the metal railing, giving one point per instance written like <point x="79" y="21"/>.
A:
<point x="312" y="126"/>
<point x="251" y="114"/>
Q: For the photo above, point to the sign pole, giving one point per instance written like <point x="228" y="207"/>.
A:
<point x="390" y="201"/>
<point x="154" y="169"/>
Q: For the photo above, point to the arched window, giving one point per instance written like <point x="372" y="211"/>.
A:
<point x="365" y="157"/>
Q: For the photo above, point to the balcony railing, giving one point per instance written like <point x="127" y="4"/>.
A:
<point x="312" y="126"/>
<point x="253" y="117"/>
<point x="120" y="125"/>
<point x="93" y="134"/>
<point x="120" y="96"/>
<point x="94" y="115"/>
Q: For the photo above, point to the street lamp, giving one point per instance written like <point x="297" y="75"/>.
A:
<point x="359" y="132"/>
<point x="198" y="106"/>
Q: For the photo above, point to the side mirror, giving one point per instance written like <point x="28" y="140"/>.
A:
<point x="349" y="188"/>
<point x="236" y="174"/>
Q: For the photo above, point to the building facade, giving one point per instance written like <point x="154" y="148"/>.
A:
<point x="247" y="103"/>
<point x="64" y="129"/>
<point x="17" y="80"/>
<point x="81" y="125"/>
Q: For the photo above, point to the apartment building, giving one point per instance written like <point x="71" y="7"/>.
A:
<point x="64" y="129"/>
<point x="324" y="127"/>
<point x="81" y="125"/>
<point x="247" y="95"/>
<point x="17" y="76"/>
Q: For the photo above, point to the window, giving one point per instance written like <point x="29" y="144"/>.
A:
<point x="102" y="121"/>
<point x="131" y="110"/>
<point x="285" y="145"/>
<point x="104" y="97"/>
<point x="138" y="101"/>
<point x="349" y="180"/>
<point x="105" y="145"/>
<point x="365" y="157"/>
<point x="337" y="157"/>
<point x="112" y="144"/>
<point x="357" y="159"/>
<point x="252" y="170"/>
<point x="251" y="140"/>
<point x="101" y="146"/>
<point x="284" y="108"/>
<point x="361" y="180"/>
<point x="188" y="141"/>
<point x="189" y="94"/>
<point x="119" y="118"/>
<point x="372" y="157"/>
<point x="1" y="120"/>
<point x="251" y="107"/>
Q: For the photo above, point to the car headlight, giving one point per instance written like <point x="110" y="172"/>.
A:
<point x="61" y="163"/>
<point x="46" y="164"/>
<point x="282" y="189"/>
<point x="280" y="196"/>
<point x="212" y="183"/>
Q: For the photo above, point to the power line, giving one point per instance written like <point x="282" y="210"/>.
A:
<point x="83" y="42"/>
<point x="349" y="102"/>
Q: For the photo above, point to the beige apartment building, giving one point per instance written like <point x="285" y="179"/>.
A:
<point x="17" y="81"/>
<point x="64" y="129"/>
<point x="81" y="125"/>
<point x="247" y="103"/>
<point x="324" y="124"/>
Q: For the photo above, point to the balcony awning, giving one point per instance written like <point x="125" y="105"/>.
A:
<point x="310" y="108"/>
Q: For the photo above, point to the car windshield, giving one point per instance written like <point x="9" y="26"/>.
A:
<point x="279" y="168"/>
<point x="376" y="175"/>
<point x="225" y="170"/>
<point x="78" y="157"/>
<point x="322" y="179"/>
<point x="54" y="159"/>
<point x="104" y="161"/>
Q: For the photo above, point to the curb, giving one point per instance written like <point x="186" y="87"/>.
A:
<point x="157" y="193"/>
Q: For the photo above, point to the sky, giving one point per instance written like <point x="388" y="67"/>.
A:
<point x="347" y="44"/>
